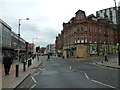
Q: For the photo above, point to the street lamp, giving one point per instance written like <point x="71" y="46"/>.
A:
<point x="33" y="40"/>
<point x="118" y="32"/>
<point x="33" y="43"/>
<point x="19" y="37"/>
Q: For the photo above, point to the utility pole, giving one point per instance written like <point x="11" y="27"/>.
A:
<point x="118" y="33"/>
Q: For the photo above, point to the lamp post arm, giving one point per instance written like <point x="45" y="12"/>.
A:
<point x="19" y="27"/>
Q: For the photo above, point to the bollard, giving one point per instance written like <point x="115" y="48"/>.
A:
<point x="17" y="70"/>
<point x="38" y="57"/>
<point x="24" y="68"/>
<point x="28" y="63"/>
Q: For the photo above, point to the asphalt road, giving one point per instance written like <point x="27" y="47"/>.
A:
<point x="65" y="73"/>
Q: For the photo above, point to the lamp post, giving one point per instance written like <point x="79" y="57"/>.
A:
<point x="17" y="65"/>
<point x="106" y="39"/>
<point x="32" y="47"/>
<point x="33" y="40"/>
<point x="19" y="37"/>
<point x="118" y="32"/>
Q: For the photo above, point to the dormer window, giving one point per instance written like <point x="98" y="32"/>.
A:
<point x="80" y="17"/>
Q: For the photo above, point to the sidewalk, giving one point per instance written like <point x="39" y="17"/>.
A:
<point x="113" y="63"/>
<point x="12" y="81"/>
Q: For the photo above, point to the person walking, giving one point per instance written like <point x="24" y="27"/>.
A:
<point x="106" y="57"/>
<point x="7" y="61"/>
<point x="48" y="57"/>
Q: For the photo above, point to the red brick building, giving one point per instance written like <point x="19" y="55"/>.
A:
<point x="42" y="50"/>
<point x="85" y="35"/>
<point x="31" y="48"/>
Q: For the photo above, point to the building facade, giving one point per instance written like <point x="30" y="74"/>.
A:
<point x="42" y="51"/>
<point x="119" y="12"/>
<point x="84" y="36"/>
<point x="31" y="48"/>
<point x="10" y="41"/>
<point x="5" y="35"/>
<point x="50" y="49"/>
<point x="110" y="12"/>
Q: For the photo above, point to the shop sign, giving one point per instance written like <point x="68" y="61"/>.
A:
<point x="59" y="51"/>
<point x="93" y="49"/>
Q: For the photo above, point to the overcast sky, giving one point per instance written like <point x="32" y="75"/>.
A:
<point x="46" y="16"/>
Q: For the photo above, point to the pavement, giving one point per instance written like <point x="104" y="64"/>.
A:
<point x="112" y="63"/>
<point x="11" y="81"/>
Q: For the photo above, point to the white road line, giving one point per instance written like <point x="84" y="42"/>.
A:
<point x="70" y="67"/>
<point x="33" y="86"/>
<point x="82" y="71"/>
<point x="36" y="73"/>
<point x="33" y="79"/>
<point x="40" y="69"/>
<point x="97" y="81"/>
<point x="86" y="76"/>
<point x="103" y="84"/>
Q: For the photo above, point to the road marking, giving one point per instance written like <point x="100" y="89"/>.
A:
<point x="82" y="71"/>
<point x="97" y="81"/>
<point x="86" y="76"/>
<point x="40" y="69"/>
<point x="33" y="86"/>
<point x="103" y="84"/>
<point x="33" y="79"/>
<point x="70" y="67"/>
<point x="36" y="73"/>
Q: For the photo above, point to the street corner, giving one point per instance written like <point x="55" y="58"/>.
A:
<point x="108" y="64"/>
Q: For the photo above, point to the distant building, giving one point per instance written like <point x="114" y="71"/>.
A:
<point x="50" y="49"/>
<point x="110" y="12"/>
<point x="119" y="4"/>
<point x="119" y="12"/>
<point x="30" y="48"/>
<point x="42" y="50"/>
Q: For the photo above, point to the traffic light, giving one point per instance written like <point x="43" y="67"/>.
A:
<point x="37" y="49"/>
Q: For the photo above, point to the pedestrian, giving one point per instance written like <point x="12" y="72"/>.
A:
<point x="103" y="53"/>
<point x="103" y="56"/>
<point x="106" y="57"/>
<point x="48" y="57"/>
<point x="33" y="56"/>
<point x="22" y="58"/>
<point x="7" y="61"/>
